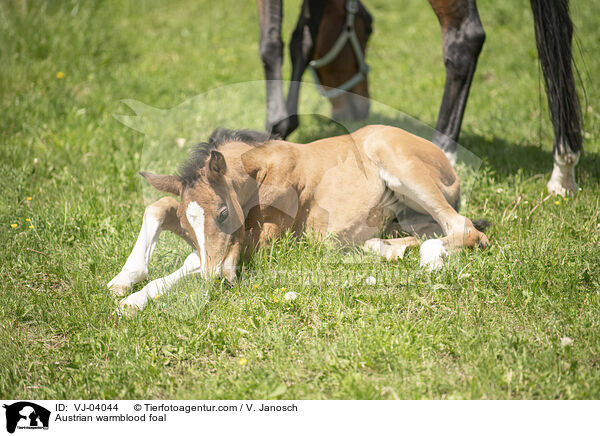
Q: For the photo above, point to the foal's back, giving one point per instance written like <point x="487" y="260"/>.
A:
<point x="347" y="185"/>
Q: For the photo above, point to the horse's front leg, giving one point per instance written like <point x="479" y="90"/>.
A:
<point x="271" y="53"/>
<point x="160" y="215"/>
<point x="302" y="48"/>
<point x="138" y="300"/>
<point x="462" y="39"/>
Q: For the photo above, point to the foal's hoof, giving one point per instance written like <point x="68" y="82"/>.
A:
<point x="484" y="242"/>
<point x="123" y="281"/>
<point x="433" y="253"/>
<point x="118" y="290"/>
<point x="134" y="302"/>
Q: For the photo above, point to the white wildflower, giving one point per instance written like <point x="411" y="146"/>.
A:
<point x="371" y="280"/>
<point x="566" y="341"/>
<point x="290" y="296"/>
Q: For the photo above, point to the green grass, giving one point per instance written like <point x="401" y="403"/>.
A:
<point x="488" y="326"/>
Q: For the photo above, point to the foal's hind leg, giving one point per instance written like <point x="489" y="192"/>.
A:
<point x="161" y="215"/>
<point x="462" y="40"/>
<point x="415" y="184"/>
<point x="391" y="249"/>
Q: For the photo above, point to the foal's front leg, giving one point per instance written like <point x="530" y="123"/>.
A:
<point x="161" y="215"/>
<point x="138" y="300"/>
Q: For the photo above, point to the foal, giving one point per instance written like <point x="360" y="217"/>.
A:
<point x="241" y="189"/>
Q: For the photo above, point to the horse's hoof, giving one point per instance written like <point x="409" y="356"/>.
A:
<point x="283" y="128"/>
<point x="555" y="187"/>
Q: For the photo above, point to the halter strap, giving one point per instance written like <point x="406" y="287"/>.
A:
<point x="349" y="33"/>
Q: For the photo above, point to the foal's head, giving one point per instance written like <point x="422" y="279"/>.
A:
<point x="210" y="212"/>
<point x="346" y="65"/>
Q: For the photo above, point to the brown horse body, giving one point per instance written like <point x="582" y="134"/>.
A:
<point x="244" y="193"/>
<point x="463" y="36"/>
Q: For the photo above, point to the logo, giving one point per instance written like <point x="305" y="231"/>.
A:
<point x="26" y="415"/>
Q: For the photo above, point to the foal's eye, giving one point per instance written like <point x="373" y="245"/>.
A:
<point x="222" y="214"/>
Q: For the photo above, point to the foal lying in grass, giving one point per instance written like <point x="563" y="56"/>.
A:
<point x="241" y="189"/>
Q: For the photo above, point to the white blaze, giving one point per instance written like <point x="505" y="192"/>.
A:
<point x="195" y="216"/>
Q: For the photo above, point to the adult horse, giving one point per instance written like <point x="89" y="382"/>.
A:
<point x="325" y="28"/>
<point x="462" y="40"/>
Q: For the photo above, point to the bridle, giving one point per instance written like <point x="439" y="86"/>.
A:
<point x="349" y="33"/>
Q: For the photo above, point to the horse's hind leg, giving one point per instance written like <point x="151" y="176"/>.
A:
<point x="161" y="215"/>
<point x="462" y="40"/>
<point x="554" y="33"/>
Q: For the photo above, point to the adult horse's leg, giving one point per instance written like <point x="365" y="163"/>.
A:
<point x="159" y="216"/>
<point x="302" y="47"/>
<point x="271" y="53"/>
<point x="553" y="33"/>
<point x="462" y="39"/>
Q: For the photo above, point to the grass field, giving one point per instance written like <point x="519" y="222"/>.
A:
<point x="489" y="325"/>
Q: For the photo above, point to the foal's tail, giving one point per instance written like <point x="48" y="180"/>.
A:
<point x="553" y="34"/>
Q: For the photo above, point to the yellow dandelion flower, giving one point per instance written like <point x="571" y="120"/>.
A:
<point x="31" y="227"/>
<point x="28" y="220"/>
<point x="29" y="198"/>
<point x="557" y="202"/>
<point x="276" y="300"/>
<point x="283" y="289"/>
<point x="242" y="361"/>
<point x="157" y="297"/>
<point x="14" y="226"/>
<point x="255" y="286"/>
<point x="60" y="75"/>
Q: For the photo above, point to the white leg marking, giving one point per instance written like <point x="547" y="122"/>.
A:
<point x="136" y="267"/>
<point x="155" y="288"/>
<point x="432" y="254"/>
<point x="195" y="216"/>
<point x="452" y="156"/>
<point x="228" y="269"/>
<point x="389" y="251"/>
<point x="562" y="180"/>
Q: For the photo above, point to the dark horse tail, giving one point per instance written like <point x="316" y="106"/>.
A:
<point x="553" y="34"/>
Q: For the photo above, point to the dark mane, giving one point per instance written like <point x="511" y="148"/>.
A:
<point x="188" y="171"/>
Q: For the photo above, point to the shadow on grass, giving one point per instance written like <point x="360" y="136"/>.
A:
<point x="508" y="158"/>
<point x="502" y="156"/>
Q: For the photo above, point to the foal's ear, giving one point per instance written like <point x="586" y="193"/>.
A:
<point x="164" y="183"/>
<point x="216" y="163"/>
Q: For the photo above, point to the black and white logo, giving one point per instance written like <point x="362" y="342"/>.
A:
<point x="26" y="415"/>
